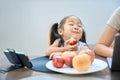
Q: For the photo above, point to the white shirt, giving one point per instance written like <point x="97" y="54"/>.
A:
<point x="81" y="44"/>
<point x="114" y="20"/>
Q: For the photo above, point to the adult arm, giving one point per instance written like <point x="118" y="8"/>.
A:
<point x="102" y="47"/>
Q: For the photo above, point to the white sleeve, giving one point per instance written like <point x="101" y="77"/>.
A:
<point x="81" y="44"/>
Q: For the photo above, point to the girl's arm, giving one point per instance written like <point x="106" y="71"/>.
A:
<point x="54" y="48"/>
<point x="84" y="48"/>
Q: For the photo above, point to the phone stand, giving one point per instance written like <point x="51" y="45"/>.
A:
<point x="18" y="59"/>
<point x="12" y="67"/>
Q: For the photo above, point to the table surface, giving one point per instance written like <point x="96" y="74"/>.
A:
<point x="27" y="74"/>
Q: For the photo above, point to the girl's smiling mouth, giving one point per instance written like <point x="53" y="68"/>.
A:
<point x="76" y="31"/>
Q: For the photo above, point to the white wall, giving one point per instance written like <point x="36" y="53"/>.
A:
<point x="24" y="24"/>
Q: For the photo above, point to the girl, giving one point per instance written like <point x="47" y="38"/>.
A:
<point x="69" y="26"/>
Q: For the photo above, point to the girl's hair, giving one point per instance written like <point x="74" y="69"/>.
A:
<point x="54" y="32"/>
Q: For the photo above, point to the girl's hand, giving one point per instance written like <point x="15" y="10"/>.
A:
<point x="71" y="41"/>
<point x="72" y="44"/>
<point x="72" y="47"/>
<point x="54" y="54"/>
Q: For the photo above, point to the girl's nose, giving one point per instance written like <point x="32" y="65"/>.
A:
<point x="76" y="27"/>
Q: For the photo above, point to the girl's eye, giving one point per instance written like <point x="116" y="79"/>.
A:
<point x="79" y="26"/>
<point x="71" y="24"/>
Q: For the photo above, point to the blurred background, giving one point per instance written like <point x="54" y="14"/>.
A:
<point x="25" y="24"/>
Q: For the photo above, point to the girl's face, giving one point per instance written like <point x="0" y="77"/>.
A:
<point x="72" y="28"/>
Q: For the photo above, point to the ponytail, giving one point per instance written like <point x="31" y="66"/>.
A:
<point x="83" y="39"/>
<point x="54" y="33"/>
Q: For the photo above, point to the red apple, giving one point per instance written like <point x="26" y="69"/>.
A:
<point x="72" y="41"/>
<point x="67" y="53"/>
<point x="68" y="56"/>
<point x="68" y="60"/>
<point x="58" y="61"/>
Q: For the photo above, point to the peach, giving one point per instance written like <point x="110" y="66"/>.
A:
<point x="90" y="53"/>
<point x="81" y="62"/>
<point x="72" y="41"/>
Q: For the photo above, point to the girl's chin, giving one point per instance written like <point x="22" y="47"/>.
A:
<point x="76" y="37"/>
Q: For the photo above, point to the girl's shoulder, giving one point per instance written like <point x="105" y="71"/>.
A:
<point x="56" y="42"/>
<point x="59" y="42"/>
<point x="81" y="44"/>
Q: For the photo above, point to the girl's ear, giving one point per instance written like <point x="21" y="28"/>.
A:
<point x="60" y="31"/>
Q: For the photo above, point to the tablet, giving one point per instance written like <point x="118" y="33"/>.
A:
<point x="113" y="62"/>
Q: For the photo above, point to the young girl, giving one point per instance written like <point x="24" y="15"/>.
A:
<point x="70" y="26"/>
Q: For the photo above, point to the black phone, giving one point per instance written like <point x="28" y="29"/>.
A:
<point x="13" y="57"/>
<point x="17" y="59"/>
